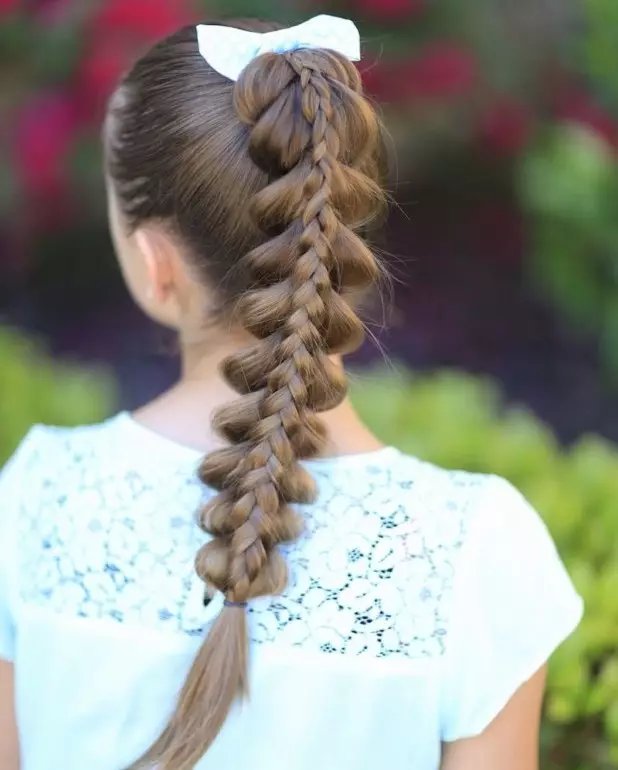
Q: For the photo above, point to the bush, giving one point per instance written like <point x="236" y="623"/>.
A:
<point x="35" y="389"/>
<point x="458" y="421"/>
<point x="569" y="186"/>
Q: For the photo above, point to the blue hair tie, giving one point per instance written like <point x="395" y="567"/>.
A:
<point x="239" y="605"/>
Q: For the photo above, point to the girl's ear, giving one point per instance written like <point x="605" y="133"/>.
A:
<point x="164" y="283"/>
<point x="157" y="257"/>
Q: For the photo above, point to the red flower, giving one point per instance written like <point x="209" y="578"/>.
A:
<point x="45" y="129"/>
<point x="377" y="77"/>
<point x="99" y="74"/>
<point x="115" y="35"/>
<point x="390" y="9"/>
<point x="8" y="6"/>
<point x="579" y="107"/>
<point x="505" y="127"/>
<point x="496" y="232"/>
<point x="440" y="71"/>
<point x="151" y="19"/>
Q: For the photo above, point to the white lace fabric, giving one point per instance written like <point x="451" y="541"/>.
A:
<point x="397" y="563"/>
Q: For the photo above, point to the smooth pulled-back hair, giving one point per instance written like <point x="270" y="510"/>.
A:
<point x="265" y="182"/>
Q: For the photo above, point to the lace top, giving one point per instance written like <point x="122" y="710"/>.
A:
<point x="419" y="601"/>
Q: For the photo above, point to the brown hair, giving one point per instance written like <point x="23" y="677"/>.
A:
<point x="264" y="181"/>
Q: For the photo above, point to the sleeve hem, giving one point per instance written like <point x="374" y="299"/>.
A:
<point x="11" y="491"/>
<point x="521" y="675"/>
<point x="6" y="653"/>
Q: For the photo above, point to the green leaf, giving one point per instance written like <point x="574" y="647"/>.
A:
<point x="569" y="176"/>
<point x="257" y="9"/>
<point x="559" y="264"/>
<point x="17" y="38"/>
<point x="56" y="54"/>
<point x="608" y="340"/>
<point x="599" y="46"/>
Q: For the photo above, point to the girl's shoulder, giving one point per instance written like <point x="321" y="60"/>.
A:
<point x="54" y="466"/>
<point x="51" y="454"/>
<point x="461" y="519"/>
<point x="384" y="480"/>
<point x="52" y="445"/>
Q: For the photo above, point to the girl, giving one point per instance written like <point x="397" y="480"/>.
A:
<point x="396" y="615"/>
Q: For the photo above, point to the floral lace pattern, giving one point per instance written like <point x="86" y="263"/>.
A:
<point x="107" y="531"/>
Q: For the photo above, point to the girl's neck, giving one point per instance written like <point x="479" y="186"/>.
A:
<point x="184" y="413"/>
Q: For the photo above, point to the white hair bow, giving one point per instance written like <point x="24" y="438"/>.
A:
<point x="228" y="50"/>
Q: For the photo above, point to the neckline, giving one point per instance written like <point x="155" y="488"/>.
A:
<point x="126" y="419"/>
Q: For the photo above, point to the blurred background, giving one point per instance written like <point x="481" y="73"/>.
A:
<point x="501" y="334"/>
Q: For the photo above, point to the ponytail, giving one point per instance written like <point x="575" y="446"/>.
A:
<point x="316" y="137"/>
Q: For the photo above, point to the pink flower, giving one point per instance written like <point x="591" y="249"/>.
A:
<point x="440" y="71"/>
<point x="150" y="19"/>
<point x="505" y="127"/>
<point x="579" y="107"/>
<point x="45" y="129"/>
<point x="377" y="77"/>
<point x="52" y="12"/>
<point x="390" y="9"/>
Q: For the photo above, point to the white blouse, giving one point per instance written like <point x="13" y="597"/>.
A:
<point x="420" y="600"/>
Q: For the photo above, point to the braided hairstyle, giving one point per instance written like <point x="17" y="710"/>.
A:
<point x="265" y="182"/>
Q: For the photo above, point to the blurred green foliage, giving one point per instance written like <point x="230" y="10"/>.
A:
<point x="599" y="51"/>
<point x="35" y="389"/>
<point x="459" y="421"/>
<point x="569" y="186"/>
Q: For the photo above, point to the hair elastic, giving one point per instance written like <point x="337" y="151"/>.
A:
<point x="239" y="605"/>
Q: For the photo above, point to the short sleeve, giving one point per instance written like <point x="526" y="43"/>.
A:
<point x="12" y="485"/>
<point x="513" y="604"/>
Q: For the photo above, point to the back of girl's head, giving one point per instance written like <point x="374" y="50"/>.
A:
<point x="262" y="182"/>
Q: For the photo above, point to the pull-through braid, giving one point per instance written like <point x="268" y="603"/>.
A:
<point x="315" y="137"/>
<point x="301" y="320"/>
<point x="294" y="309"/>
